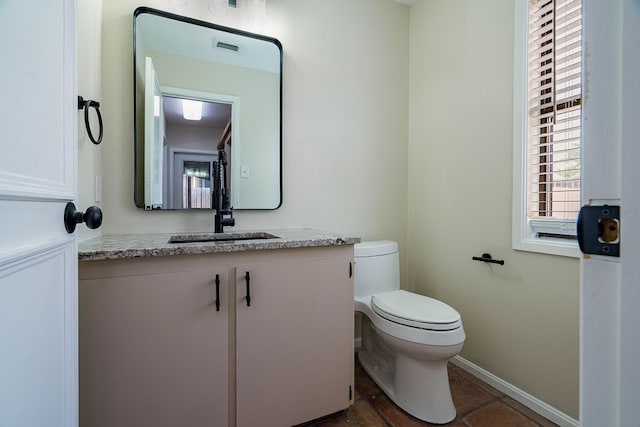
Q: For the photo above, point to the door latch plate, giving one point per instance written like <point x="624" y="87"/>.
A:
<point x="599" y="230"/>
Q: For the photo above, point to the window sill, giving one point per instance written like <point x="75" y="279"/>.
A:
<point x="549" y="245"/>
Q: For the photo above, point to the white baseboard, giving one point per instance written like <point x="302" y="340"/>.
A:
<point x="515" y="393"/>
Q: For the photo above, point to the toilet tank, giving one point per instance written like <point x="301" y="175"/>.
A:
<point x="377" y="267"/>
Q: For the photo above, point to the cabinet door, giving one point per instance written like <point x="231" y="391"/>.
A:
<point x="294" y="345"/>
<point x="154" y="351"/>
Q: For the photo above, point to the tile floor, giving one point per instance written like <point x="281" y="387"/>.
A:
<point x="477" y="403"/>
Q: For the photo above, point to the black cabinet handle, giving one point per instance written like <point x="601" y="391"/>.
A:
<point x="248" y="297"/>
<point x="217" y="292"/>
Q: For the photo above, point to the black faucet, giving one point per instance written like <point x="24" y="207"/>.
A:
<point x="221" y="202"/>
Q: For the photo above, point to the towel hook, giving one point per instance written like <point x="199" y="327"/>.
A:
<point x="86" y="104"/>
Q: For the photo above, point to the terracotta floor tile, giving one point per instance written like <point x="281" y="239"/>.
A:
<point x="477" y="403"/>
<point x="452" y="367"/>
<point x="497" y="414"/>
<point x="393" y="414"/>
<point x="466" y="395"/>
<point x="478" y="382"/>
<point x="528" y="412"/>
<point x="358" y="414"/>
<point x="364" y="386"/>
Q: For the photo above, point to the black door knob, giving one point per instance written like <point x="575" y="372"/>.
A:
<point x="92" y="217"/>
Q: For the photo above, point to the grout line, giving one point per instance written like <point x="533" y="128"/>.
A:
<point x="477" y="387"/>
<point x="366" y="399"/>
<point x="481" y="406"/>
<point x="505" y="402"/>
<point x="378" y="413"/>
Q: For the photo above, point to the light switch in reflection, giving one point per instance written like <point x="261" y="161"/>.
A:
<point x="245" y="171"/>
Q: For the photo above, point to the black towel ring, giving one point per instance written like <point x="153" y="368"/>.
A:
<point x="86" y="105"/>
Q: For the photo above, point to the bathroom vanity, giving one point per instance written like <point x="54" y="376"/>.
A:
<point x="246" y="332"/>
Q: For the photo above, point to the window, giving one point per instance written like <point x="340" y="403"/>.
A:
<point x="547" y="113"/>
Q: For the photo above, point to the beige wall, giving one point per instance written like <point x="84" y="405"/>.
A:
<point x="345" y="120"/>
<point x="522" y="318"/>
<point x="89" y="21"/>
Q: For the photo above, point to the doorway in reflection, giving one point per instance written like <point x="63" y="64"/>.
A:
<point x="191" y="143"/>
<point x="195" y="191"/>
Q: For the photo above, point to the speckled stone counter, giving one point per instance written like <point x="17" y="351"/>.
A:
<point x="119" y="246"/>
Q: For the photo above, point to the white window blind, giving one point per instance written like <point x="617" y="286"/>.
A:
<point x="554" y="109"/>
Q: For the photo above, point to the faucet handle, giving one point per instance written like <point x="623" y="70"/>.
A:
<point x="228" y="221"/>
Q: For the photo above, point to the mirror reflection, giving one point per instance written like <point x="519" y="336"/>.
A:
<point x="199" y="89"/>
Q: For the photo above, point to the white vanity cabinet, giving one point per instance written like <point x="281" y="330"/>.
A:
<point x="154" y="351"/>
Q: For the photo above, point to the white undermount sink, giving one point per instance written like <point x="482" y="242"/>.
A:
<point x="220" y="237"/>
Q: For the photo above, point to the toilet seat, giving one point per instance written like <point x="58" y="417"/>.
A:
<point x="417" y="311"/>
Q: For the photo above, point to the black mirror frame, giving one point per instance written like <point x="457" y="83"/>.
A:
<point x="139" y="168"/>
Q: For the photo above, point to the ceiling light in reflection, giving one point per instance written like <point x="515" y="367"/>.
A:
<point x="191" y="110"/>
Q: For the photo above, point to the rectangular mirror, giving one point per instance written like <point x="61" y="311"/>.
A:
<point x="200" y="88"/>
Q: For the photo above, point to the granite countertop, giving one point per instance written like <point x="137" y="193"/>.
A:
<point x="118" y="246"/>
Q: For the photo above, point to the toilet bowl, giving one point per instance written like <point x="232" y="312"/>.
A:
<point x="407" y="338"/>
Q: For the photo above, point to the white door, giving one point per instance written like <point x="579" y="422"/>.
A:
<point x="154" y="139"/>
<point x="610" y="287"/>
<point x="38" y="259"/>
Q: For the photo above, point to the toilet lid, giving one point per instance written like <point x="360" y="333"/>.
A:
<point x="415" y="310"/>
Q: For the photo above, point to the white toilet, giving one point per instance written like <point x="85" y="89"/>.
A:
<point x="407" y="338"/>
